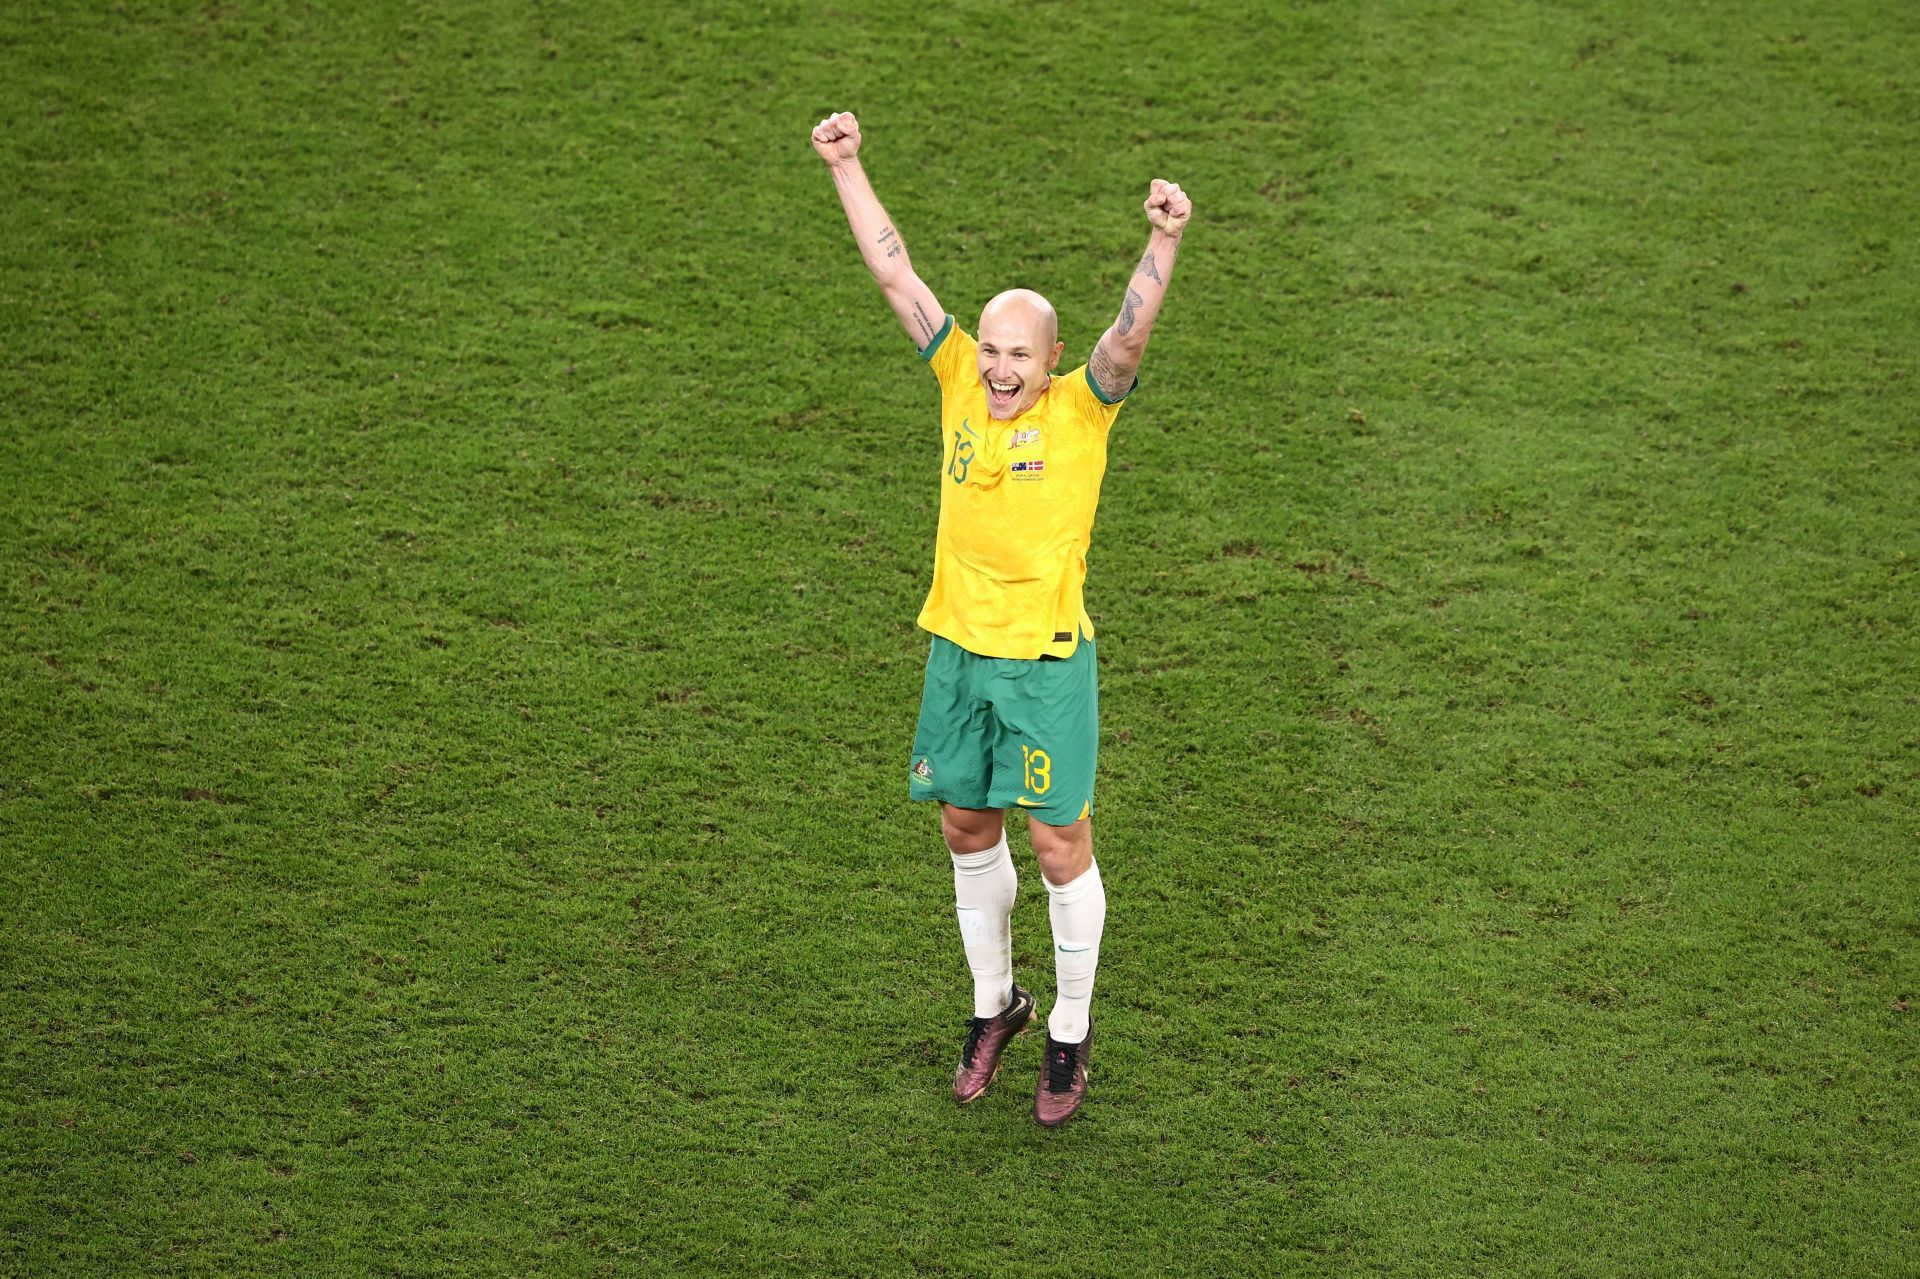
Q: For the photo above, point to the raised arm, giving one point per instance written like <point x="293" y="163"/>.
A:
<point x="1116" y="357"/>
<point x="837" y="139"/>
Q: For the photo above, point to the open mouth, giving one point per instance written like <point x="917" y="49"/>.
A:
<point x="1002" y="395"/>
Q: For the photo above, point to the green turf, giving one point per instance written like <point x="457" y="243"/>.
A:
<point x="464" y="511"/>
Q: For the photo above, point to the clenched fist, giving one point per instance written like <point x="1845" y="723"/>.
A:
<point x="837" y="138"/>
<point x="1167" y="206"/>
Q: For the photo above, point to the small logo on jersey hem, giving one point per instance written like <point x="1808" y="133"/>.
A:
<point x="1028" y="470"/>
<point x="922" y="772"/>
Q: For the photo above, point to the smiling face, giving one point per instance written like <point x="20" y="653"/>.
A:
<point x="1019" y="346"/>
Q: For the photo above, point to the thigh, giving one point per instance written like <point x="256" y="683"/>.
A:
<point x="952" y="758"/>
<point x="972" y="830"/>
<point x="1047" y="737"/>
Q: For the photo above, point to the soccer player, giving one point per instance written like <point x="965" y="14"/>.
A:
<point x="1008" y="715"/>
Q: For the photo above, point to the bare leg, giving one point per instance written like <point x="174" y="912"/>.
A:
<point x="1064" y="852"/>
<point x="972" y="830"/>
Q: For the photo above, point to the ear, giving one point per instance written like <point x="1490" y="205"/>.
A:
<point x="1053" y="360"/>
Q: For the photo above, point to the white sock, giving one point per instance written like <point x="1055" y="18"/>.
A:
<point x="1078" y="909"/>
<point x="983" y="889"/>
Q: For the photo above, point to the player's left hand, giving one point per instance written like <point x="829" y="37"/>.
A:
<point x="1168" y="207"/>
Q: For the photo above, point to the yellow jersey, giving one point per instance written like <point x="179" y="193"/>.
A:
<point x="1017" y="499"/>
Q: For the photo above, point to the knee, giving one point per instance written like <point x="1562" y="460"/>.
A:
<point x="1064" y="852"/>
<point x="971" y="830"/>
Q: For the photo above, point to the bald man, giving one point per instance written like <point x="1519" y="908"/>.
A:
<point x="1009" y="711"/>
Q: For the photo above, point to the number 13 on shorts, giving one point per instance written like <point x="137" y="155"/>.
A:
<point x="1039" y="769"/>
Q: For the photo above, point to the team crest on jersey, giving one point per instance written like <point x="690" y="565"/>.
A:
<point x="1034" y="470"/>
<point x="1023" y="438"/>
<point x="922" y="771"/>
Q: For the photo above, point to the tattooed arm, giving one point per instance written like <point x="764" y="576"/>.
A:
<point x="837" y="139"/>
<point x="1116" y="356"/>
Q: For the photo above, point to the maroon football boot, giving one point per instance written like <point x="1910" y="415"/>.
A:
<point x="987" y="1038"/>
<point x="1063" y="1080"/>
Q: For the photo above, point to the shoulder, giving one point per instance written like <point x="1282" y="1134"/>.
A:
<point x="1081" y="380"/>
<point x="951" y="353"/>
<point x="1078" y="390"/>
<point x="951" y="338"/>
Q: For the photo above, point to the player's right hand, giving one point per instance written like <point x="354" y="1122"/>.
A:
<point x="837" y="138"/>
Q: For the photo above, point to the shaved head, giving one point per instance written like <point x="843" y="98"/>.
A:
<point x="1019" y="346"/>
<point x="1023" y="307"/>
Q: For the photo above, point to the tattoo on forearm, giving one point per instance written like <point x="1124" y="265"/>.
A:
<point x="1149" y="268"/>
<point x="926" y="326"/>
<point x="1125" y="323"/>
<point x="892" y="241"/>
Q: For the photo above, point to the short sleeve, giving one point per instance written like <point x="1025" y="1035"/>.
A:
<point x="951" y="356"/>
<point x="1090" y="402"/>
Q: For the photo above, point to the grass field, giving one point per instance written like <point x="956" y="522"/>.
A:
<point x="465" y="508"/>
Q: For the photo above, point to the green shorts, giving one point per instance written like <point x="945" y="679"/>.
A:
<point x="1005" y="732"/>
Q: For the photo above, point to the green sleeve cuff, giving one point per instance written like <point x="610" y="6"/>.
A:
<point x="1101" y="395"/>
<point x="926" y="352"/>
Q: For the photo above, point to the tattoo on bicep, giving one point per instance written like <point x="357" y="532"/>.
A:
<point x="1105" y="371"/>
<point x="1149" y="268"/>
<point x="1125" y="323"/>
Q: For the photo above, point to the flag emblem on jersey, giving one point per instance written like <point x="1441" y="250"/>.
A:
<point x="1028" y="470"/>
